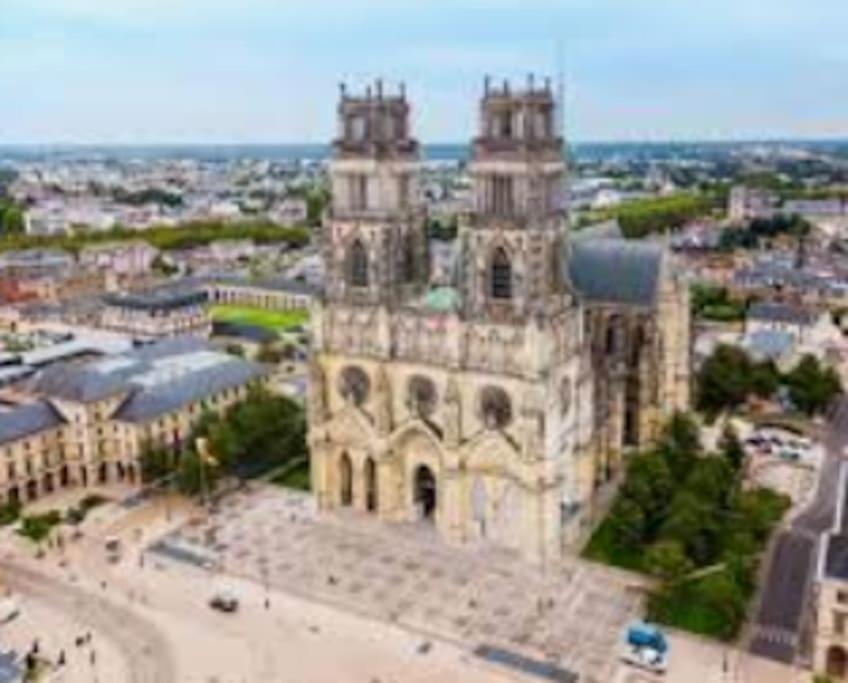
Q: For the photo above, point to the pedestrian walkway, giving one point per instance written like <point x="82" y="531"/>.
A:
<point x="572" y="616"/>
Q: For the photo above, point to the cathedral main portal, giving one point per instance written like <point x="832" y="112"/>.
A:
<point x="425" y="495"/>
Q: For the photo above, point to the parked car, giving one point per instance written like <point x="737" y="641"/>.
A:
<point x="224" y="602"/>
<point x="645" y="647"/>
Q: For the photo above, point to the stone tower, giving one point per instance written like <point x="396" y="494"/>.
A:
<point x="375" y="246"/>
<point x="513" y="244"/>
<point x="480" y="410"/>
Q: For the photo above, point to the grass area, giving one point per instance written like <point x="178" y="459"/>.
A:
<point x="296" y="476"/>
<point x="604" y="547"/>
<point x="689" y="611"/>
<point x="38" y="527"/>
<point x="260" y="317"/>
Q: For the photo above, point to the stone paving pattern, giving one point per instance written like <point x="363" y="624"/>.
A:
<point x="573" y="616"/>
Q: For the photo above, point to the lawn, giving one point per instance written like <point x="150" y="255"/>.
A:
<point x="260" y="317"/>
<point x="294" y="477"/>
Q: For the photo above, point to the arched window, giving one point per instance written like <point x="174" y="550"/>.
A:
<point x="496" y="408"/>
<point x="354" y="385"/>
<point x="421" y="396"/>
<point x="358" y="257"/>
<point x="501" y="275"/>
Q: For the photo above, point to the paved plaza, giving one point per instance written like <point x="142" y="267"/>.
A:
<point x="572" y="617"/>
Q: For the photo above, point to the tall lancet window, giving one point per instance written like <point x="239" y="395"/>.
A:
<point x="501" y="275"/>
<point x="358" y="259"/>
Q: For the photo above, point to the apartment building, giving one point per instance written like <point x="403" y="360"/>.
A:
<point x="84" y="423"/>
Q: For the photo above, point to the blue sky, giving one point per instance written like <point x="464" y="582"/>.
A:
<point x="144" y="71"/>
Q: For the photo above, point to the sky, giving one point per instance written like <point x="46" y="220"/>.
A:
<point x="267" y="71"/>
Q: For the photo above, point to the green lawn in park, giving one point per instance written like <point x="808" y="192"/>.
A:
<point x="249" y="315"/>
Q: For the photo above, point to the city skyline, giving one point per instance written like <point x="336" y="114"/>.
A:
<point x="186" y="72"/>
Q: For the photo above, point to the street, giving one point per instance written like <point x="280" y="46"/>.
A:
<point x="778" y="633"/>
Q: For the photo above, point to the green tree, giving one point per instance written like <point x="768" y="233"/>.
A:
<point x="13" y="222"/>
<point x="725" y="598"/>
<point x="196" y="475"/>
<point x="729" y="376"/>
<point x="731" y="447"/>
<point x="712" y="480"/>
<point x="692" y="523"/>
<point x="813" y="387"/>
<point x="627" y="522"/>
<point x="156" y="463"/>
<point x="649" y="484"/>
<point x="680" y="444"/>
<point x="667" y="561"/>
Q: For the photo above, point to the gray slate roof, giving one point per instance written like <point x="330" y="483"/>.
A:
<point x="149" y="403"/>
<point x="161" y="299"/>
<point x="618" y="271"/>
<point x="782" y="313"/>
<point x="30" y="418"/>
<point x="156" y="379"/>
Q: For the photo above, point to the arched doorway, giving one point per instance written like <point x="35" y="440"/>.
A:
<point x="425" y="492"/>
<point x="32" y="489"/>
<point x="131" y="474"/>
<point x="346" y="480"/>
<point x="64" y="476"/>
<point x="837" y="662"/>
<point x="48" y="482"/>
<point x="370" y="485"/>
<point x="14" y="495"/>
<point x="102" y="473"/>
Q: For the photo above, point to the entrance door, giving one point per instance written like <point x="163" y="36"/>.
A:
<point x="425" y="492"/>
<point x="346" y="480"/>
<point x="370" y="485"/>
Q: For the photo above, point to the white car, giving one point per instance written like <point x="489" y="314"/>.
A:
<point x="646" y="658"/>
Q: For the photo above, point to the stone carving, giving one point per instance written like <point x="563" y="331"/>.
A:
<point x="382" y="402"/>
<point x="452" y="415"/>
<point x="534" y="427"/>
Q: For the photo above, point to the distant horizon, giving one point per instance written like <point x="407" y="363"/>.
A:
<point x="141" y="72"/>
<point x="327" y="143"/>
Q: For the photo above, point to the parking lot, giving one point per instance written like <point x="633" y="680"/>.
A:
<point x="572" y="617"/>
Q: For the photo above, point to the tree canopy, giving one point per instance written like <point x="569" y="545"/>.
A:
<point x="255" y="435"/>
<point x="680" y="510"/>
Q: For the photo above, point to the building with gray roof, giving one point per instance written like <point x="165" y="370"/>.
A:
<point x="87" y="420"/>
<point x="609" y="270"/>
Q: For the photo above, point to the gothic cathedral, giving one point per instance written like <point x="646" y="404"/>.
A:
<point x="497" y="409"/>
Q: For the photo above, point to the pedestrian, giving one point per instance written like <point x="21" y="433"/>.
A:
<point x="93" y="658"/>
<point x="267" y="603"/>
<point x="61" y="660"/>
<point x="35" y="646"/>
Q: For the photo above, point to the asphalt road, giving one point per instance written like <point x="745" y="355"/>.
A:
<point x="785" y="596"/>
<point x="147" y="653"/>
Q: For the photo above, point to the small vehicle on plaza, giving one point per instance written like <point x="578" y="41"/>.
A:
<point x="645" y="647"/>
<point x="9" y="608"/>
<point x="113" y="549"/>
<point x="224" y="601"/>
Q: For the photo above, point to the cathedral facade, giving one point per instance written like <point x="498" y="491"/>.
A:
<point x="497" y="409"/>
